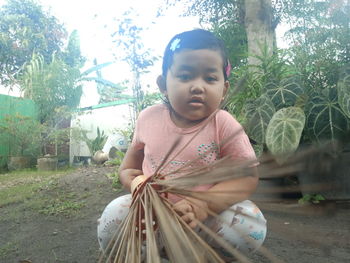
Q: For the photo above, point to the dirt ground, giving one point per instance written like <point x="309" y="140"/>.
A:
<point x="295" y="233"/>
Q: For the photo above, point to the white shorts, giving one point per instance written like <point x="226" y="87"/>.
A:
<point x="244" y="227"/>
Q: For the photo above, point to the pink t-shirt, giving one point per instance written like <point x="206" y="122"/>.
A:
<point x="156" y="133"/>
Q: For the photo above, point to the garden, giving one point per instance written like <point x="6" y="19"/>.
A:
<point x="294" y="104"/>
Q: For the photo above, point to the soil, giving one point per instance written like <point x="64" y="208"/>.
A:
<point x="295" y="233"/>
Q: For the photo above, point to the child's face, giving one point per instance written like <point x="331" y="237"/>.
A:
<point x="195" y="85"/>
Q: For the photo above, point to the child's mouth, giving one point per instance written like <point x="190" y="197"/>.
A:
<point x="196" y="102"/>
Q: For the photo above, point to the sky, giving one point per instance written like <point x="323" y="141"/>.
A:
<point x="95" y="20"/>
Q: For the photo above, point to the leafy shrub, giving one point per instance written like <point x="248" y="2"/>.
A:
<point x="23" y="134"/>
<point x="287" y="112"/>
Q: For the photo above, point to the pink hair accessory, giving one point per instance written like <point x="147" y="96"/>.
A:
<point x="228" y="68"/>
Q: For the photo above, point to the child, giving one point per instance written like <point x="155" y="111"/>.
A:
<point x="194" y="82"/>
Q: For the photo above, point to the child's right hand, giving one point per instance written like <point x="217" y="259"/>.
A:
<point x="192" y="210"/>
<point x="126" y="176"/>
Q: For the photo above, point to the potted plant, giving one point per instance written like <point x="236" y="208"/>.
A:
<point x="96" y="145"/>
<point x="55" y="135"/>
<point x="51" y="137"/>
<point x="22" y="134"/>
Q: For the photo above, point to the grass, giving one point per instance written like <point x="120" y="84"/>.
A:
<point x="116" y="184"/>
<point x="40" y="191"/>
<point x="20" y="186"/>
<point x="63" y="204"/>
<point x="62" y="207"/>
<point x="7" y="249"/>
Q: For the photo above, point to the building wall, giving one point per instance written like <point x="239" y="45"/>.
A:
<point x="107" y="119"/>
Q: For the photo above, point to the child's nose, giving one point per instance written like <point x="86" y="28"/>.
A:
<point x="197" y="87"/>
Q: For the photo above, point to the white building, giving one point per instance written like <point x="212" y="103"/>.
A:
<point x="108" y="117"/>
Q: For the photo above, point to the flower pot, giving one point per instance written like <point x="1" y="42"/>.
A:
<point x="100" y="157"/>
<point x="47" y="163"/>
<point x="327" y="175"/>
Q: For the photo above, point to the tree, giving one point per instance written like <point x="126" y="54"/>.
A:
<point x="71" y="55"/>
<point x="26" y="28"/>
<point x="259" y="29"/>
<point x="131" y="50"/>
<point x="319" y="37"/>
<point x="245" y="26"/>
<point x="56" y="85"/>
<point x="226" y="19"/>
<point x="108" y="91"/>
<point x="50" y="85"/>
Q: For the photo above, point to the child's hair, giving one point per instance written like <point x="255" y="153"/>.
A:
<point x="194" y="39"/>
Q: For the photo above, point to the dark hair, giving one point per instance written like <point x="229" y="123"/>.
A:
<point x="194" y="39"/>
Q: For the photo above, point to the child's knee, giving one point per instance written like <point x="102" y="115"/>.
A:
<point x="244" y="227"/>
<point x="111" y="218"/>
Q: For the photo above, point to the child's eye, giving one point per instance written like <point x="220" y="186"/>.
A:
<point x="211" y="79"/>
<point x="184" y="77"/>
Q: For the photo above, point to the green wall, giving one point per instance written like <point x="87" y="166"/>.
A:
<point x="10" y="106"/>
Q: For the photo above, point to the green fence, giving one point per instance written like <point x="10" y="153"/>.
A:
<point x="11" y="106"/>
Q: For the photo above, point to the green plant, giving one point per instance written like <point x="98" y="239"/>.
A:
<point x="128" y="39"/>
<point x="311" y="198"/>
<point x="126" y="132"/>
<point x="61" y="206"/>
<point x="23" y="134"/>
<point x="57" y="83"/>
<point x="8" y="248"/>
<point x="51" y="86"/>
<point x="118" y="160"/>
<point x="116" y="184"/>
<point x="287" y="113"/>
<point x="97" y="143"/>
<point x="26" y="27"/>
<point x="149" y="99"/>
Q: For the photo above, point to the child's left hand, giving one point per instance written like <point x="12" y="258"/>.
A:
<point x="192" y="210"/>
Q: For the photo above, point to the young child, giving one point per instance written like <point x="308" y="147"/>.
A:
<point x="194" y="82"/>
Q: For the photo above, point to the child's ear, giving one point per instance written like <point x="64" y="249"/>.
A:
<point x="162" y="85"/>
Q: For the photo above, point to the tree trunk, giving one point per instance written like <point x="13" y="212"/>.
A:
<point x="258" y="25"/>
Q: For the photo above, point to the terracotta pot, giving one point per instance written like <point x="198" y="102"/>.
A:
<point x="100" y="157"/>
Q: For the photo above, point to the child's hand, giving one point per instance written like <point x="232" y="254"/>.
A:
<point x="138" y="180"/>
<point x="191" y="210"/>
<point x="126" y="176"/>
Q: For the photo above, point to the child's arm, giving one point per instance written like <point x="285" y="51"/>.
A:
<point x="131" y="166"/>
<point x="223" y="195"/>
<point x="220" y="197"/>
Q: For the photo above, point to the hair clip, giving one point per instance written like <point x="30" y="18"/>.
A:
<point x="175" y="44"/>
